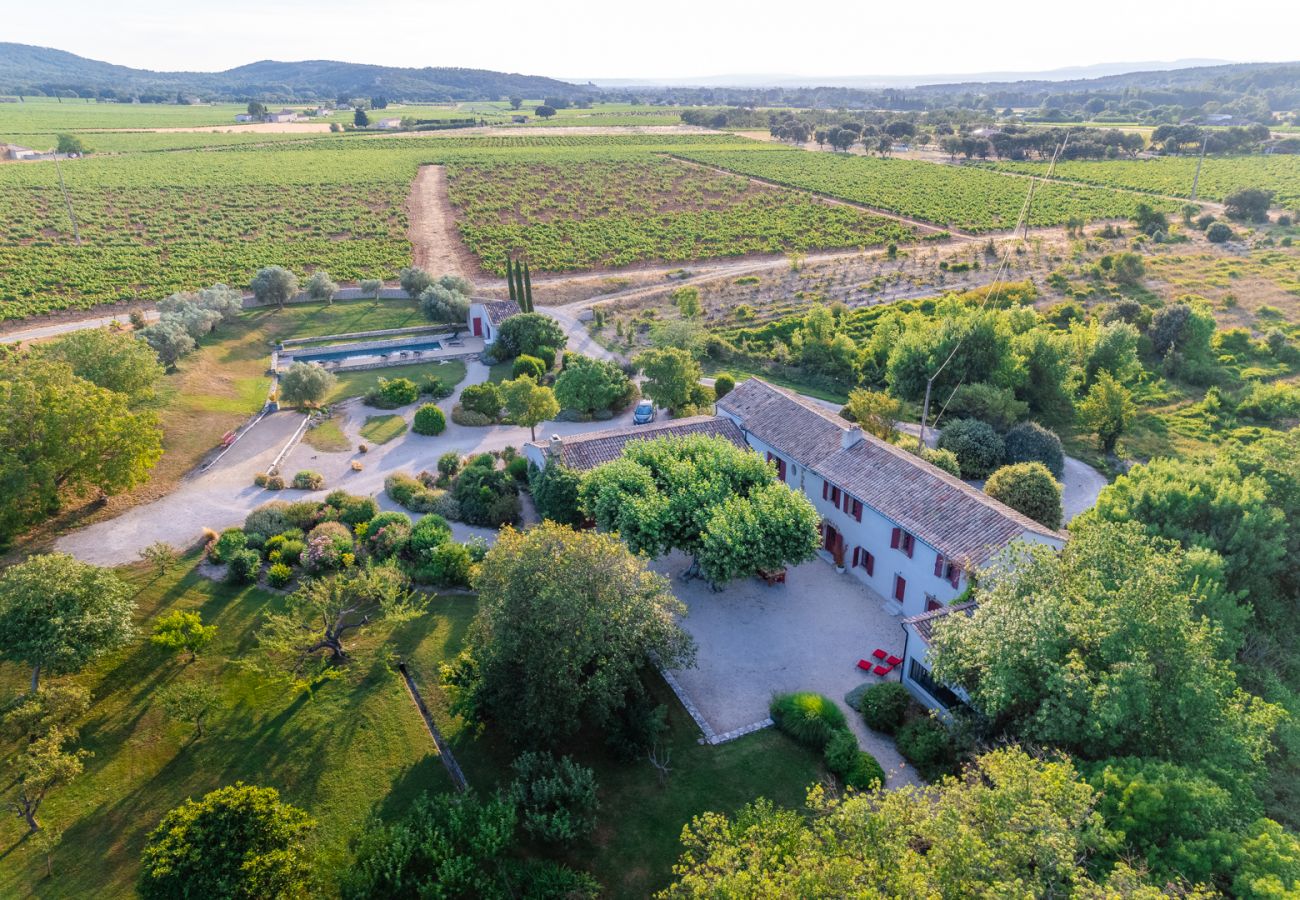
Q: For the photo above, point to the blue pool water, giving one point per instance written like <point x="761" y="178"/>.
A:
<point x="323" y="355"/>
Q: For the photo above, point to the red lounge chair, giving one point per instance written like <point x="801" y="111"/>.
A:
<point x="879" y="654"/>
<point x="864" y="665"/>
<point x="883" y="670"/>
<point x="894" y="660"/>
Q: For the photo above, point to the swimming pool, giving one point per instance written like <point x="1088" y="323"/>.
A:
<point x="375" y="352"/>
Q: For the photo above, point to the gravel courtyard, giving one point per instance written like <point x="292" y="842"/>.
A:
<point x="806" y="635"/>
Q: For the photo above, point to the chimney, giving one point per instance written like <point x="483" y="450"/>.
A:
<point x="556" y="445"/>
<point x="851" y="436"/>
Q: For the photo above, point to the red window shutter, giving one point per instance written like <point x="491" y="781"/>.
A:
<point x="769" y="456"/>
<point x="780" y="469"/>
<point x="856" y="551"/>
<point x="857" y="510"/>
<point x="931" y="604"/>
<point x="835" y="496"/>
<point x="826" y="490"/>
<point x="938" y="566"/>
<point x="845" y="505"/>
<point x="908" y="545"/>
<point x="895" y="537"/>
<point x="869" y="562"/>
<point x="954" y="574"/>
<point x="900" y="588"/>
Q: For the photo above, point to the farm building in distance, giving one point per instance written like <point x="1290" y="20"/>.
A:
<point x="486" y="316"/>
<point x="15" y="152"/>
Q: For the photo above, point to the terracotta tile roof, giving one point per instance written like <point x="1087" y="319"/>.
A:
<point x="586" y="451"/>
<point x="924" y="623"/>
<point x="499" y="310"/>
<point x="962" y="523"/>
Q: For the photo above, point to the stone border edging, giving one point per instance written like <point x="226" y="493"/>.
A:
<point x="711" y="737"/>
<point x="453" y="768"/>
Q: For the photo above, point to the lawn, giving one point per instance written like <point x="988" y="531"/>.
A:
<point x="356" y="747"/>
<point x="327" y="436"/>
<point x="359" y="383"/>
<point x="382" y="429"/>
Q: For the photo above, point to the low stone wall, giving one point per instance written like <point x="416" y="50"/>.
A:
<point x="409" y="361"/>
<point x="250" y="302"/>
<point x="411" y="329"/>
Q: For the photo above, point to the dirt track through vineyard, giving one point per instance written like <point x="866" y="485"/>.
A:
<point x="435" y="242"/>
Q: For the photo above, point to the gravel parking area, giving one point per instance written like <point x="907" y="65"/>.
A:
<point x="806" y="635"/>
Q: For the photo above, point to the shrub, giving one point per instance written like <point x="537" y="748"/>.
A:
<point x="449" y="565"/>
<point x="275" y="483"/>
<point x="1270" y="402"/>
<point x="352" y="510"/>
<point x="555" y="493"/>
<point x="547" y="354"/>
<point x="841" y="752"/>
<point x="484" y="399"/>
<point x="556" y="798"/>
<point x="449" y="465"/>
<point x="809" y="718"/>
<point x="1218" y="233"/>
<point x="866" y="773"/>
<point x="429" y="420"/>
<point x="428" y="534"/>
<point x="994" y="405"/>
<point x="462" y="416"/>
<point x="723" y="385"/>
<point x="978" y="448"/>
<point x="307" y="480"/>
<point x="884" y="706"/>
<point x="279" y="575"/>
<point x="530" y="366"/>
<point x="301" y="514"/>
<point x="435" y="387"/>
<point x="242" y="566"/>
<point x="1030" y="489"/>
<point x="270" y="519"/>
<point x="487" y="496"/>
<point x="942" y="459"/>
<point x="232" y="541"/>
<point x="517" y="468"/>
<point x="326" y="545"/>
<point x="927" y="745"/>
<point x="387" y="534"/>
<point x="1031" y="442"/>
<point x="392" y="393"/>
<point x="291" y="551"/>
<point x="260" y="479"/>
<point x="410" y="493"/>
<point x="445" y="505"/>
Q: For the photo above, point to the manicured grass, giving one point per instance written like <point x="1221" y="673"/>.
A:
<point x="501" y="371"/>
<point x="356" y="747"/>
<point x="358" y="384"/>
<point x="382" y="429"/>
<point x="740" y="373"/>
<point x="327" y="436"/>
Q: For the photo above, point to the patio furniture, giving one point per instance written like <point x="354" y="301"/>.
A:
<point x="894" y="660"/>
<point x="882" y="671"/>
<point x="879" y="654"/>
<point x="865" y="665"/>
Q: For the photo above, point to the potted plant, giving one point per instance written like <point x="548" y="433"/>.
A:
<point x="838" y="555"/>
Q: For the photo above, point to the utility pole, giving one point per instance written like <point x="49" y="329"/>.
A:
<point x="1197" y="177"/>
<point x="67" y="201"/>
<point x="925" y="409"/>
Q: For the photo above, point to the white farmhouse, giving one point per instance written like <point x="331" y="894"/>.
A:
<point x="486" y="316"/>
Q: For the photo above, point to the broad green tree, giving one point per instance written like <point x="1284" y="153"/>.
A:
<point x="1030" y="489"/>
<point x="43" y="765"/>
<point x="57" y="614"/>
<point x="717" y="502"/>
<point x="671" y="376"/>
<point x="239" y="841"/>
<point x="877" y="412"/>
<point x="525" y="333"/>
<point x="190" y="700"/>
<point x="1107" y="411"/>
<point x="115" y="360"/>
<point x="1098" y="649"/>
<point x="567" y="620"/>
<point x="528" y="403"/>
<point x="182" y="630"/>
<point x="306" y="384"/>
<point x="588" y="385"/>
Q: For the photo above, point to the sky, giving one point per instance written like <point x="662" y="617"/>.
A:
<point x="579" y="39"/>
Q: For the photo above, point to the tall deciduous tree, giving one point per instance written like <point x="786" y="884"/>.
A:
<point x="1099" y="650"/>
<point x="114" y="360"/>
<point x="720" y="503"/>
<point x="671" y="375"/>
<point x="567" y="620"/>
<point x="588" y="385"/>
<point x="306" y="384"/>
<point x="57" y="614"/>
<point x="528" y="403"/>
<point x="181" y="630"/>
<point x="239" y="841"/>
<point x="877" y="412"/>
<point x="1108" y="410"/>
<point x="525" y="333"/>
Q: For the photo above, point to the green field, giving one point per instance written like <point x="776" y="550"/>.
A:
<point x="1173" y="175"/>
<point x="41" y="114"/>
<point x="969" y="199"/>
<point x="580" y="215"/>
<point x="356" y="747"/>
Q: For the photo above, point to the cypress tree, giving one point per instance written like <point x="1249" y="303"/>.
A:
<point x="510" y="278"/>
<point x="519" y="287"/>
<point x="528" y="287"/>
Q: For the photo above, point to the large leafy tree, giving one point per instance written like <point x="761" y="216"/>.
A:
<point x="1099" y="650"/>
<point x="1013" y="826"/>
<point x="115" y="360"/>
<point x="57" y="614"/>
<point x="720" y="503"/>
<point x="60" y="434"/>
<point x="240" y="841"/>
<point x="274" y="284"/>
<point x="525" y="333"/>
<point x="1107" y="410"/>
<point x="306" y="384"/>
<point x="528" y="403"/>
<point x="567" y="620"/>
<point x="589" y="385"/>
<point x="671" y="376"/>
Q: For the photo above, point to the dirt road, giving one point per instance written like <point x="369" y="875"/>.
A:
<point x="435" y="242"/>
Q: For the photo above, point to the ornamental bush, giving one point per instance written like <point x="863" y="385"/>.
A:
<point x="942" y="459"/>
<point x="484" y="399"/>
<point x="1031" y="442"/>
<point x="487" y="496"/>
<point x="555" y="797"/>
<point x="428" y="534"/>
<point x="242" y="566"/>
<point x="866" y="773"/>
<point x="841" y="752"/>
<point x="307" y="480"/>
<point x="555" y="493"/>
<point x="391" y="393"/>
<point x="723" y="385"/>
<point x="927" y="745"/>
<point x="350" y="509"/>
<point x="527" y="365"/>
<point x="1030" y="489"/>
<point x="270" y="519"/>
<point x="527" y="333"/>
<point x="435" y="387"/>
<point x="449" y="565"/>
<point x="279" y="575"/>
<point x="326" y="544"/>
<point x="291" y="551"/>
<point x="978" y="448"/>
<point x="883" y="706"/>
<point x="387" y="534"/>
<point x="517" y="468"/>
<point x="411" y="493"/>
<point x="232" y="540"/>
<point x="809" y="718"/>
<point x="429" y="420"/>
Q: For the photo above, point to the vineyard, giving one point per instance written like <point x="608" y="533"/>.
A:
<point x="1172" y="175"/>
<point x="969" y="199"/>
<point x="582" y="214"/>
<point x="44" y="114"/>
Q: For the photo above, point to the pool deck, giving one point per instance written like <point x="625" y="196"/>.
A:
<point x="369" y="351"/>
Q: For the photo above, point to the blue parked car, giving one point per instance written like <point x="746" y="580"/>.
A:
<point x="644" y="413"/>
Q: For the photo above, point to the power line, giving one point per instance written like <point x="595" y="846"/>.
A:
<point x="67" y="201"/>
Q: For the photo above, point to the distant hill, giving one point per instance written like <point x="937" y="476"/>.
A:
<point x="25" y="69"/>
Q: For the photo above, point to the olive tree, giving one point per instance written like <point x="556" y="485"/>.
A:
<point x="306" y="384"/>
<point x="274" y="284"/>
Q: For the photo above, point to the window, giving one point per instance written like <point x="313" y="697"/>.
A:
<point x="901" y="540"/>
<point x="780" y="464"/>
<point x="835" y="496"/>
<point x="864" y="559"/>
<point x="925" y="681"/>
<point x="857" y="510"/>
<point x="900" y="588"/>
<point x="932" y="603"/>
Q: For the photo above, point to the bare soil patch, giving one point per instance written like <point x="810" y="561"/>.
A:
<point x="254" y="127"/>
<point x="435" y="242"/>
